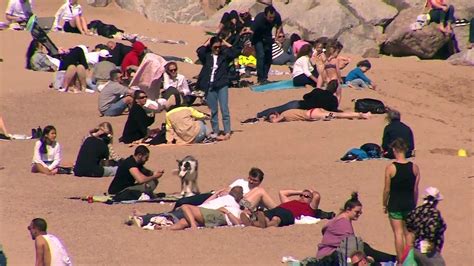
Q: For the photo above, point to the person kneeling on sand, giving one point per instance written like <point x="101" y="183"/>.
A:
<point x="314" y="114"/>
<point x="132" y="175"/>
<point x="289" y="210"/>
<point x="221" y="211"/>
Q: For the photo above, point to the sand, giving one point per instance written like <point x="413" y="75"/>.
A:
<point x="435" y="99"/>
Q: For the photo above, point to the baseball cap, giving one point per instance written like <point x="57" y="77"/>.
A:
<point x="433" y="192"/>
<point x="104" y="53"/>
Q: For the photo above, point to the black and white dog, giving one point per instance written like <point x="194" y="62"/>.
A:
<point x="188" y="172"/>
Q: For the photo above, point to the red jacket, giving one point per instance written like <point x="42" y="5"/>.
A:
<point x="133" y="57"/>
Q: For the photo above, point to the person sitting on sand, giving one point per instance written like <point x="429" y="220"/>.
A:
<point x="224" y="210"/>
<point x="339" y="228"/>
<point x="279" y="55"/>
<point x="118" y="52"/>
<point x="304" y="72"/>
<point x="49" y="249"/>
<point x="47" y="153"/>
<point x="138" y="120"/>
<point x="75" y="64"/>
<point x="132" y="59"/>
<point x="72" y="14"/>
<point x="442" y="13"/>
<point x="93" y="152"/>
<point x="174" y="81"/>
<point x="314" y="114"/>
<point x="132" y="175"/>
<point x="394" y="130"/>
<point x="357" y="78"/>
<point x="19" y="11"/>
<point x="289" y="210"/>
<point x="115" y="97"/>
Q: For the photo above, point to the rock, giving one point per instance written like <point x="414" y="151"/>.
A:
<point x="360" y="40"/>
<point x="464" y="58"/>
<point x="376" y="13"/>
<point x="98" y="3"/>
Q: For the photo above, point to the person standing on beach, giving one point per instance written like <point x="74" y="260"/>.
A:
<point x="49" y="249"/>
<point x="262" y="40"/>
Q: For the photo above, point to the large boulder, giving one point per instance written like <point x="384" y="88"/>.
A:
<point x="376" y="13"/>
<point x="362" y="40"/>
<point x="98" y="3"/>
<point x="464" y="58"/>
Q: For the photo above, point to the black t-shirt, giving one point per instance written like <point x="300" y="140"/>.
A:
<point x="262" y="29"/>
<point x="137" y="124"/>
<point x="92" y="152"/>
<point x="319" y="98"/>
<point x="123" y="178"/>
<point x="118" y="53"/>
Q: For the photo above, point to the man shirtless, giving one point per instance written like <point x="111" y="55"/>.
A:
<point x="49" y="249"/>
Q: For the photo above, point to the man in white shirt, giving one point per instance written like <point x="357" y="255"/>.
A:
<point x="19" y="11"/>
<point x="49" y="249"/>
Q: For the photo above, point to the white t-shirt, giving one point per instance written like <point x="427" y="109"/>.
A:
<point x="19" y="9"/>
<point x="180" y="83"/>
<point x="66" y="12"/>
<point x="214" y="67"/>
<point x="302" y="66"/>
<point x="243" y="183"/>
<point x="59" y="255"/>
<point x="53" y="155"/>
<point x="228" y="202"/>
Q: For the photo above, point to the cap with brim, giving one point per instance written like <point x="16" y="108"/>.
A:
<point x="104" y="53"/>
<point x="433" y="192"/>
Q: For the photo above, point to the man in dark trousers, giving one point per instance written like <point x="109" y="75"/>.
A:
<point x="262" y="40"/>
<point x="396" y="129"/>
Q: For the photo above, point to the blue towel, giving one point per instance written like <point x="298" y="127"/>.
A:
<point x="274" y="86"/>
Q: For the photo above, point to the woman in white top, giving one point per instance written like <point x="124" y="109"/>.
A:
<point x="174" y="83"/>
<point x="303" y="71"/>
<point x="74" y="21"/>
<point x="47" y="153"/>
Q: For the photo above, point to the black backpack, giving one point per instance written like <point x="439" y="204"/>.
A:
<point x="369" y="105"/>
<point x="373" y="150"/>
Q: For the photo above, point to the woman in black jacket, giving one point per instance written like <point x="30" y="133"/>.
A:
<point x="216" y="56"/>
<point x="138" y="120"/>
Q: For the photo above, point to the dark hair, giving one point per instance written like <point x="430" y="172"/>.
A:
<point x="364" y="63"/>
<point x="141" y="150"/>
<point x="304" y="50"/>
<point x="269" y="10"/>
<point x="294" y="37"/>
<point x="30" y="52"/>
<point x="332" y="86"/>
<point x="321" y="40"/>
<point x="40" y="224"/>
<point x="393" y="115"/>
<point x="400" y="145"/>
<point x="257" y="173"/>
<point x="46" y="130"/>
<point x="214" y="40"/>
<point x="352" y="202"/>
<point x="114" y="73"/>
<point x="137" y="93"/>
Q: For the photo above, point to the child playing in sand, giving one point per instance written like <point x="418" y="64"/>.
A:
<point x="357" y="78"/>
<point x="314" y="114"/>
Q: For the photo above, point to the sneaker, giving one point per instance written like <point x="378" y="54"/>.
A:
<point x="89" y="91"/>
<point x="325" y="215"/>
<point x="253" y="120"/>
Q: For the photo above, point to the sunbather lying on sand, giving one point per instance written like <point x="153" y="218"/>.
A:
<point x="314" y="114"/>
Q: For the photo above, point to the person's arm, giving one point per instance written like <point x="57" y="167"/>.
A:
<point x="37" y="154"/>
<point x="185" y="86"/>
<point x="362" y="76"/>
<point x="389" y="172"/>
<point x="385" y="139"/>
<point x="141" y="178"/>
<point x="278" y="25"/>
<point x="40" y="246"/>
<point x="278" y="118"/>
<point x="57" y="157"/>
<point x="234" y="220"/>
<point x="286" y="194"/>
<point x="196" y="114"/>
<point x="58" y="16"/>
<point x="315" y="200"/>
<point x="112" y="154"/>
<point x="416" y="171"/>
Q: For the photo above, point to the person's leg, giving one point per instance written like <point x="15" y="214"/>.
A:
<point x="260" y="54"/>
<point x="449" y="18"/>
<point x="110" y="170"/>
<point x="223" y="99"/>
<point x="193" y="200"/>
<point x="268" y="58"/>
<point x="275" y="221"/>
<point x="279" y="109"/>
<point x="202" y="133"/>
<point x="211" y="99"/>
<point x="471" y="33"/>
<point x="281" y="59"/>
<point x="39" y="168"/>
<point x="193" y="215"/>
<point x="358" y="84"/>
<point x="69" y="76"/>
<point x="146" y="188"/>
<point x="180" y="225"/>
<point x="302" y="80"/>
<point x="81" y="76"/>
<point x="117" y="108"/>
<point x="398" y="232"/>
<point x="259" y="195"/>
<point x="378" y="256"/>
<point x="83" y="23"/>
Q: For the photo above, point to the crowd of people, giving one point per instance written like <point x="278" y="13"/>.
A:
<point x="110" y="68"/>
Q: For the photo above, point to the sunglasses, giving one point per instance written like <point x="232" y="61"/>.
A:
<point x="306" y="196"/>
<point x="216" y="47"/>
<point x="173" y="70"/>
<point x="281" y="36"/>
<point x="142" y="97"/>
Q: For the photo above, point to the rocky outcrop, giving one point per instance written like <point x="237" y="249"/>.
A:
<point x="464" y="58"/>
<point x="98" y="3"/>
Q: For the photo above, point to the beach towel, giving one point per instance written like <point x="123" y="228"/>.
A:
<point x="148" y="75"/>
<point x="108" y="199"/>
<point x="273" y="86"/>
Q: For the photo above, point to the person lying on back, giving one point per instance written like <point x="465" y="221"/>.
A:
<point x="314" y="114"/>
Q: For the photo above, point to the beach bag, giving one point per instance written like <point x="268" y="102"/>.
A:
<point x="349" y="245"/>
<point x="355" y="154"/>
<point x="373" y="150"/>
<point x="369" y="105"/>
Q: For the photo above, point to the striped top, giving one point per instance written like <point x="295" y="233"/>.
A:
<point x="276" y="50"/>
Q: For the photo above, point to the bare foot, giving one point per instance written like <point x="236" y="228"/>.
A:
<point x="245" y="219"/>
<point x="365" y="115"/>
<point x="261" y="221"/>
<point x="136" y="212"/>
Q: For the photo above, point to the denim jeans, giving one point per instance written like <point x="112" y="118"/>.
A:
<point x="284" y="58"/>
<point x="279" y="109"/>
<point x="264" y="60"/>
<point x="219" y="97"/>
<point x="202" y="132"/>
<point x="358" y="84"/>
<point x="110" y="170"/>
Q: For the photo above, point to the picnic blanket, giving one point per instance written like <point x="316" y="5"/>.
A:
<point x="274" y="86"/>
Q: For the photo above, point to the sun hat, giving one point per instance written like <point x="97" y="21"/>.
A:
<point x="433" y="192"/>
<point x="104" y="53"/>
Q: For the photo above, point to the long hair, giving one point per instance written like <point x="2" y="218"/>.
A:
<point x="304" y="51"/>
<point x="106" y="127"/>
<point x="44" y="141"/>
<point x="30" y="52"/>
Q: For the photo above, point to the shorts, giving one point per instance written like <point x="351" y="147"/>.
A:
<point x="116" y="108"/>
<point x="212" y="218"/>
<point x="398" y="215"/>
<point x="285" y="216"/>
<point x="68" y="28"/>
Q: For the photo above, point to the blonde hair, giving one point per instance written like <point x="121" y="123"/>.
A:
<point x="105" y="127"/>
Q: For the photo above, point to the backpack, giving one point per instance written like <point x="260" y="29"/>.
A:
<point x="373" y="150"/>
<point x="349" y="245"/>
<point x="355" y="154"/>
<point x="369" y="105"/>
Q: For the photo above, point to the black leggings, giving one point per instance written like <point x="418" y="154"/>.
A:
<point x="440" y="16"/>
<point x="193" y="200"/>
<point x="302" y="80"/>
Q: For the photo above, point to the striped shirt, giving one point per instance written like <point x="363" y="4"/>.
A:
<point x="276" y="50"/>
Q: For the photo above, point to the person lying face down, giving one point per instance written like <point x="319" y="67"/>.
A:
<point x="221" y="211"/>
<point x="314" y="114"/>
